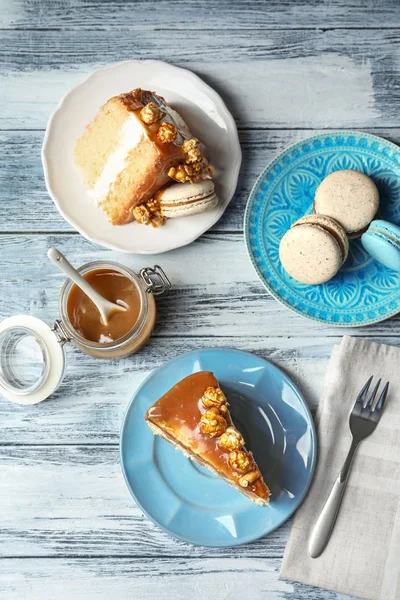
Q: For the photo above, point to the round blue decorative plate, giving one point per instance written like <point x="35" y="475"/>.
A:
<point x="364" y="291"/>
<point x="190" y="502"/>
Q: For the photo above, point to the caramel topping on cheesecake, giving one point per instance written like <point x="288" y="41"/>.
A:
<point x="194" y="416"/>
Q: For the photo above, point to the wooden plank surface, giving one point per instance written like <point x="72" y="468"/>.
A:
<point x="68" y="526"/>
<point x="25" y="205"/>
<point x="207" y="306"/>
<point x="193" y="15"/>
<point x="162" y="578"/>
<point x="206" y="300"/>
<point x="283" y="79"/>
<point x="88" y="410"/>
<point x="72" y="501"/>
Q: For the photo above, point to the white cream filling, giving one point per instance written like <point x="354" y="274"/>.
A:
<point x="179" y="122"/>
<point x="130" y="136"/>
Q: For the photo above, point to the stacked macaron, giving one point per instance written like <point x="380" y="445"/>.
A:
<point x="349" y="197"/>
<point x="316" y="246"/>
<point x="314" y="249"/>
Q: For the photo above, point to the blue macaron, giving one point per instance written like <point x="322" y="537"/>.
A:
<point x="382" y="242"/>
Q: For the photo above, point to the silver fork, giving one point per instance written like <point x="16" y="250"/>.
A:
<point x="363" y="420"/>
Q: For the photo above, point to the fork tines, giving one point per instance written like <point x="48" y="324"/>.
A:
<point x="382" y="398"/>
<point x="362" y="396"/>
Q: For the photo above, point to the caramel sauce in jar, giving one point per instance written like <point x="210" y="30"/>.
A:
<point x="85" y="317"/>
<point x="127" y="332"/>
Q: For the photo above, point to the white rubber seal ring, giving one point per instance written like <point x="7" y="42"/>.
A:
<point x="56" y="359"/>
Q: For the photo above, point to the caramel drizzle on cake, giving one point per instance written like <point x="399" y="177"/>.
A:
<point x="136" y="145"/>
<point x="194" y="416"/>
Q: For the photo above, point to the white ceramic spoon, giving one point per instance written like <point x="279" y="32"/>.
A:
<point x="105" y="307"/>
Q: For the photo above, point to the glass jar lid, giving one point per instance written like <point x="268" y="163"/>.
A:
<point x="32" y="361"/>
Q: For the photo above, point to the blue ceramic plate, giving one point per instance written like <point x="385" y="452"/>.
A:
<point x="188" y="501"/>
<point x="364" y="291"/>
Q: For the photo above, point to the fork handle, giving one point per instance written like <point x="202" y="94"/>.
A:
<point x="326" y="521"/>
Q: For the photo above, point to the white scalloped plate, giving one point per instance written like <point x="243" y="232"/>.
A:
<point x="207" y="117"/>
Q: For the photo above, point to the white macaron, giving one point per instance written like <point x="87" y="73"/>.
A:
<point x="349" y="197"/>
<point x="314" y="249"/>
<point x="185" y="199"/>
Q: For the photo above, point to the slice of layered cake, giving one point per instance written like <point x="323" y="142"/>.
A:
<point x="136" y="145"/>
<point x="194" y="417"/>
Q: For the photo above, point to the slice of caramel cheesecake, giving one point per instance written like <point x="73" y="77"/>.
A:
<point x="194" y="417"/>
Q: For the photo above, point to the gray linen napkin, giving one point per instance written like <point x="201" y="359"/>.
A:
<point x="363" y="556"/>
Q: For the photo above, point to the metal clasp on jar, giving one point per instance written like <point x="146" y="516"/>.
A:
<point x="155" y="279"/>
<point x="60" y="332"/>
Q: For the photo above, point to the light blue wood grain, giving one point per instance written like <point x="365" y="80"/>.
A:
<point x="164" y="579"/>
<point x="25" y="205"/>
<point x="215" y="292"/>
<point x="184" y="15"/>
<point x="82" y="507"/>
<point x="280" y="79"/>
<point x="69" y="529"/>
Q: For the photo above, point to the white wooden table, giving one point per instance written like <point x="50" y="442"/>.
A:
<point x="68" y="527"/>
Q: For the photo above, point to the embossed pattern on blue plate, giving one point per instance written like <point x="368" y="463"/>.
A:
<point x="188" y="501"/>
<point x="364" y="291"/>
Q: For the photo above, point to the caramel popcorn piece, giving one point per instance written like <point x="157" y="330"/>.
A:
<point x="192" y="151"/>
<point x="231" y="439"/>
<point x="199" y="171"/>
<point x="212" y="422"/>
<point x="197" y="166"/>
<point x="153" y="206"/>
<point x="142" y="214"/>
<point x="249" y="478"/>
<point x="178" y="174"/>
<point x="239" y="461"/>
<point x="215" y="397"/>
<point x="151" y="113"/>
<point x="194" y="172"/>
<point x="167" y="133"/>
<point x="157" y="220"/>
<point x="149" y="214"/>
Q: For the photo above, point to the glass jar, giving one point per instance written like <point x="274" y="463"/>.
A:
<point x="32" y="358"/>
